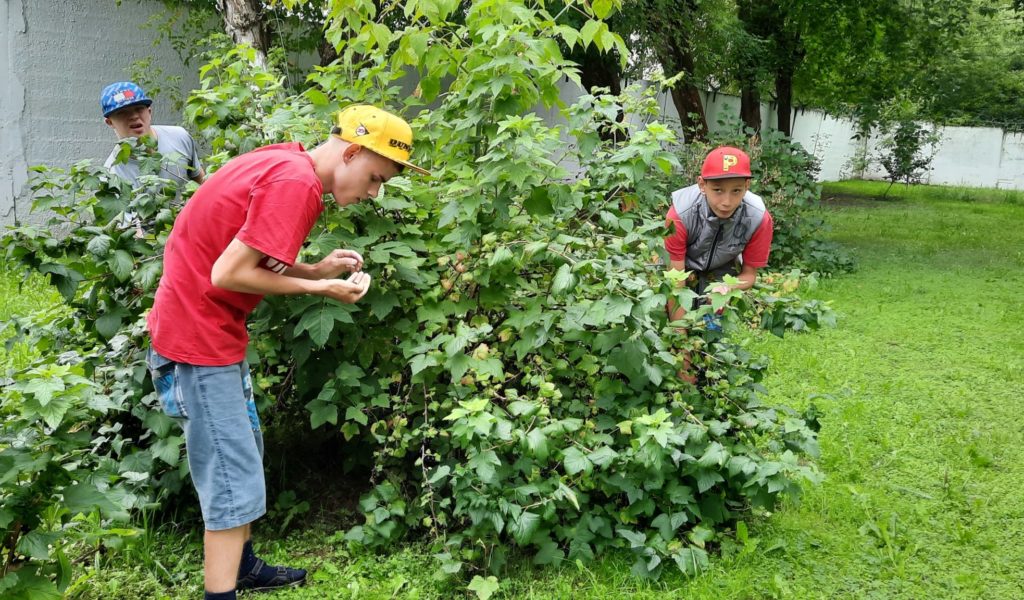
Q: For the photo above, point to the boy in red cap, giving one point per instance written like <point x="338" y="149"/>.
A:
<point x="719" y="227"/>
<point x="236" y="240"/>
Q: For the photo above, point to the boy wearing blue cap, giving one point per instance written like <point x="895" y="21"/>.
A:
<point x="128" y="111"/>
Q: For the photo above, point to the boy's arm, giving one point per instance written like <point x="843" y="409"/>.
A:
<point x="332" y="265"/>
<point x="747" y="277"/>
<point x="199" y="174"/>
<point x="238" y="269"/>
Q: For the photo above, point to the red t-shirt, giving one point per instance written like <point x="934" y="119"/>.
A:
<point x="755" y="253"/>
<point x="269" y="199"/>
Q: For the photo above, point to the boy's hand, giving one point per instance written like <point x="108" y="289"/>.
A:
<point x="348" y="290"/>
<point x="721" y="289"/>
<point x="338" y="262"/>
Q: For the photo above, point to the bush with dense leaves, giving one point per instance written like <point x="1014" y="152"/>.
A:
<point x="80" y="446"/>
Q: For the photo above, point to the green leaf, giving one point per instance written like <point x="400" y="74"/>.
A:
<point x="706" y="479"/>
<point x="439" y="474"/>
<point x="524" y="526"/>
<point x="316" y="97"/>
<point x="6" y="517"/>
<point x="484" y="587"/>
<point x="521" y="408"/>
<point x="618" y="308"/>
<point x="421" y="362"/>
<point x="569" y="34"/>
<point x="430" y="86"/>
<point x="382" y="303"/>
<point x="319" y="320"/>
<point x="354" y="414"/>
<point x="109" y="324"/>
<point x="458" y="365"/>
<point x="168" y="449"/>
<point x="321" y="412"/>
<point x="538" y="444"/>
<point x="714" y="456"/>
<point x="635" y="539"/>
<point x="53" y="412"/>
<point x="575" y="462"/>
<point x="588" y="31"/>
<point x="30" y="586"/>
<point x="563" y="281"/>
<point x="501" y="255"/>
<point x="43" y="389"/>
<point x="539" y="203"/>
<point x="121" y="265"/>
<point x="602" y="8"/>
<point x="84" y="497"/>
<point x="484" y="463"/>
<point x="691" y="561"/>
<point x="99" y="246"/>
<point x="548" y="553"/>
<point x="148" y="275"/>
<point x="36" y="544"/>
<point x="603" y="456"/>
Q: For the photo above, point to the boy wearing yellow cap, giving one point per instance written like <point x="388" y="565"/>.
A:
<point x="234" y="242"/>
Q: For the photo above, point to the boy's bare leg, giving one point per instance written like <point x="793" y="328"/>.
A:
<point x="222" y="555"/>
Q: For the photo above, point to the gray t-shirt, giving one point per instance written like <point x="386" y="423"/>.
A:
<point x="175" y="144"/>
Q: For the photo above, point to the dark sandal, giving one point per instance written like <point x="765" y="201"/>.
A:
<point x="284" y="577"/>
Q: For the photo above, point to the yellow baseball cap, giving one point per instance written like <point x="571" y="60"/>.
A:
<point x="377" y="130"/>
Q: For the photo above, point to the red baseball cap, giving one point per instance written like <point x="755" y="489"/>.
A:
<point x="725" y="162"/>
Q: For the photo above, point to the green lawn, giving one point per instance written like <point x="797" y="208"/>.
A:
<point x="19" y="296"/>
<point x="920" y="386"/>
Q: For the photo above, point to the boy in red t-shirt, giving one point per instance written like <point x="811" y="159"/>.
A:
<point x="234" y="242"/>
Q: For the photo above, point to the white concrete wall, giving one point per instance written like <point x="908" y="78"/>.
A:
<point x="55" y="58"/>
<point x="967" y="156"/>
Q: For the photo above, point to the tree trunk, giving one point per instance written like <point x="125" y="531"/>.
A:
<point x="691" y="111"/>
<point x="327" y="52"/>
<point x="675" y="55"/>
<point x="784" y="93"/>
<point x="600" y="69"/>
<point x="243" y="21"/>
<point x="750" y="107"/>
<point x="751" y="64"/>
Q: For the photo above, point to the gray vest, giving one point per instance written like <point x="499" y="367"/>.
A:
<point x="713" y="244"/>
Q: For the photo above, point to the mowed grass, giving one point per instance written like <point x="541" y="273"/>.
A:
<point x="921" y="391"/>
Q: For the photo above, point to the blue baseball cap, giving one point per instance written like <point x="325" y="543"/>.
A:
<point x="121" y="94"/>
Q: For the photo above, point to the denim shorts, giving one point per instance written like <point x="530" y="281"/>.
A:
<point x="215" y="407"/>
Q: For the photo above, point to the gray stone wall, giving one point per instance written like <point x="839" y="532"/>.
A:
<point x="55" y="57"/>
